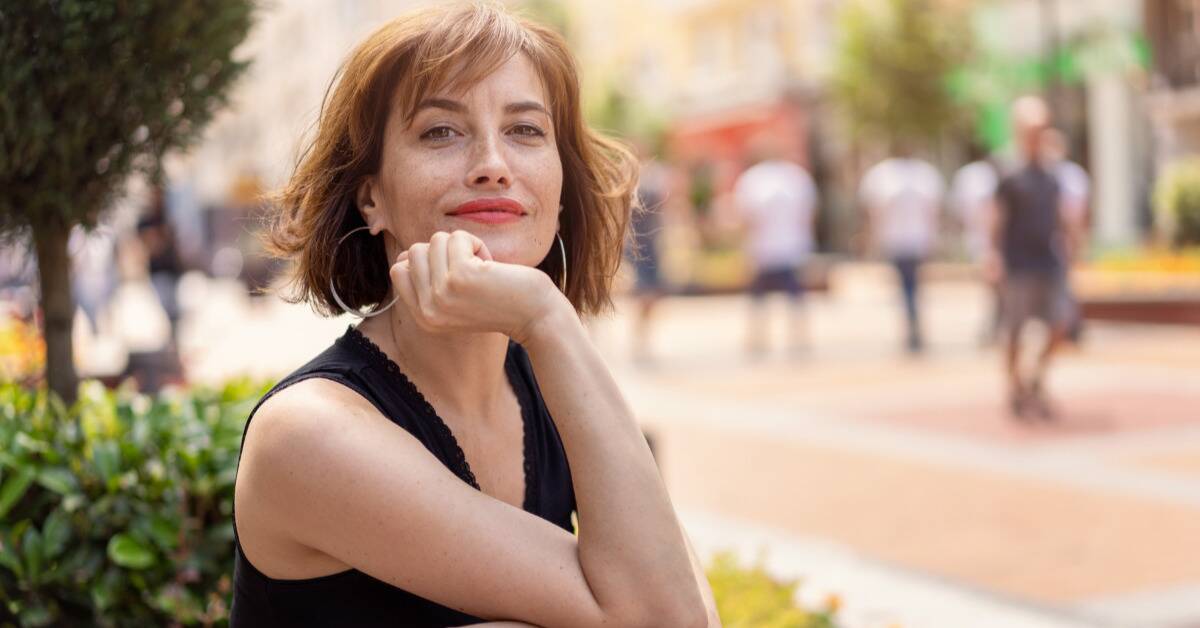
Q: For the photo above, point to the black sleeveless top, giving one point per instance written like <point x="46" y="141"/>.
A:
<point x="351" y="597"/>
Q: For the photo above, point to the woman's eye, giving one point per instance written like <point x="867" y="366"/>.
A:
<point x="438" y="133"/>
<point x="528" y="130"/>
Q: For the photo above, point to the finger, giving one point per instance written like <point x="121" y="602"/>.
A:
<point x="478" y="247"/>
<point x="438" y="262"/>
<point x="401" y="274"/>
<point x="418" y="264"/>
<point x="460" y="249"/>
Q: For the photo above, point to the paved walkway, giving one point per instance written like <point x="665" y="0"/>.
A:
<point x="898" y="484"/>
<point x="914" y="467"/>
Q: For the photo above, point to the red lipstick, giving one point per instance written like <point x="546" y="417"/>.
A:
<point x="492" y="211"/>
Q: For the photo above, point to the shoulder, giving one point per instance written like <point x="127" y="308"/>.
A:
<point x="309" y="409"/>
<point x="1009" y="180"/>
<point x="929" y="171"/>
<point x="311" y="447"/>
<point x="748" y="176"/>
<point x="878" y="170"/>
<point x="795" y="171"/>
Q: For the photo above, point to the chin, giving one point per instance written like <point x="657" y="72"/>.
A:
<point x="515" y="248"/>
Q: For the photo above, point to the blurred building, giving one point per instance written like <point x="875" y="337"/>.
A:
<point x="717" y="71"/>
<point x="1173" y="28"/>
<point x="1097" y="91"/>
<point x="712" y="74"/>
<point x="295" y="48"/>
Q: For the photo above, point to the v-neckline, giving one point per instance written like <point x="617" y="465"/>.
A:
<point x="458" y="459"/>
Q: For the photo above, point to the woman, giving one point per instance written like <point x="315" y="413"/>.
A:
<point x="411" y="474"/>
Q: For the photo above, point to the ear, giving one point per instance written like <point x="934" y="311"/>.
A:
<point x="372" y="212"/>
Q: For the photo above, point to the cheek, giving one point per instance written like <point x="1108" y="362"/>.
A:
<point x="547" y="181"/>
<point x="412" y="189"/>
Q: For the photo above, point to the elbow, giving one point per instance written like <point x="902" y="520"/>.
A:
<point x="685" y="612"/>
<point x="690" y="616"/>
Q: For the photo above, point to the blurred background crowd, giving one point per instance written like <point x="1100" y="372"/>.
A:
<point x="853" y="212"/>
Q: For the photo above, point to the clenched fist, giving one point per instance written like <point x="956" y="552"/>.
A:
<point x="451" y="283"/>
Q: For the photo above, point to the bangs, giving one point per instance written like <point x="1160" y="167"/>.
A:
<point x="459" y="49"/>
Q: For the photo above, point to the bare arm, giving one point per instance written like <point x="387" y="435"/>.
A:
<point x="994" y="260"/>
<point x="630" y="540"/>
<point x="1074" y="234"/>
<point x="323" y="471"/>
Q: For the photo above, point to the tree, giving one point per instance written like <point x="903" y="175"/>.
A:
<point x="893" y="63"/>
<point x="92" y="91"/>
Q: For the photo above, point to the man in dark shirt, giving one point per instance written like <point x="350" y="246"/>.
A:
<point x="1031" y="240"/>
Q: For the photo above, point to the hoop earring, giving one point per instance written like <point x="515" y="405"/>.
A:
<point x="346" y="308"/>
<point x="562" y="249"/>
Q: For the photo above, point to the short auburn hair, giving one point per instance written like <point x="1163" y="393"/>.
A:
<point x="416" y="54"/>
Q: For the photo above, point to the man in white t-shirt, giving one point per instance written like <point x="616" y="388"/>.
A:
<point x="777" y="200"/>
<point x="903" y="197"/>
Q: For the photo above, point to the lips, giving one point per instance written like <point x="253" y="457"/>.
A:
<point x="489" y="210"/>
<point x="482" y="205"/>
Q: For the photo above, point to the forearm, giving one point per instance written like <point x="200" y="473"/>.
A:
<point x="631" y="548"/>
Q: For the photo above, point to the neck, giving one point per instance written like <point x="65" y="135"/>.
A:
<point x="459" y="373"/>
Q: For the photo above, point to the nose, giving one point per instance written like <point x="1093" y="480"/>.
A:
<point x="489" y="166"/>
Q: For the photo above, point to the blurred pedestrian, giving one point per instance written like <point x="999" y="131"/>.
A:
<point x="972" y="195"/>
<point x="903" y="196"/>
<point x="162" y="255"/>
<point x="643" y="249"/>
<point x="777" y="203"/>
<point x="18" y="276"/>
<point x="94" y="276"/>
<point x="1074" y="186"/>
<point x="1030" y="255"/>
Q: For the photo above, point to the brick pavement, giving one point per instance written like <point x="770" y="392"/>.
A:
<point x="915" y="463"/>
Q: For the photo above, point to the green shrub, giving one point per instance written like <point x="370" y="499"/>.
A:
<point x="1177" y="202"/>
<point x="116" y="510"/>
<point x="750" y="597"/>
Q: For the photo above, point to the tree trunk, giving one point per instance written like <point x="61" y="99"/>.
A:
<point x="58" y="308"/>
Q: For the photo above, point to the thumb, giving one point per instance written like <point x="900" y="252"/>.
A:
<point x="479" y="248"/>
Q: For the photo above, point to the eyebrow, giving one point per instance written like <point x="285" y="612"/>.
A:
<point x="457" y="107"/>
<point x="525" y="105"/>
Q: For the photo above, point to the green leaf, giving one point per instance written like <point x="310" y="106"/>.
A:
<point x="14" y="489"/>
<point x="165" y="532"/>
<point x="127" y="552"/>
<point x="55" y="533"/>
<point x="58" y="479"/>
<point x="36" y="614"/>
<point x="107" y="458"/>
<point x="31" y="547"/>
<point x="10" y="559"/>
<point x="30" y="443"/>
<point x="104" y="594"/>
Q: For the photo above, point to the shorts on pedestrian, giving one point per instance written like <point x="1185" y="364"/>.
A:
<point x="1044" y="297"/>
<point x="785" y="280"/>
<point x="647" y="279"/>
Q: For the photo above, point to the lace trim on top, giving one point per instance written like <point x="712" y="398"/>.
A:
<point x="458" y="459"/>
<point x="521" y="389"/>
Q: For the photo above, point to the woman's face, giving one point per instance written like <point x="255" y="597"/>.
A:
<point x="484" y="160"/>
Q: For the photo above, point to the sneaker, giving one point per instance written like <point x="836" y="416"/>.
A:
<point x="1018" y="403"/>
<point x="1040" y="405"/>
